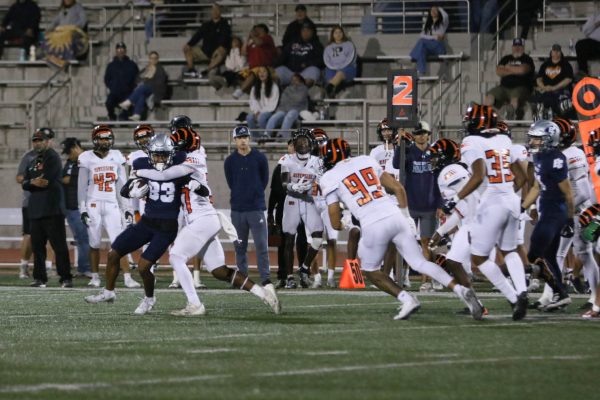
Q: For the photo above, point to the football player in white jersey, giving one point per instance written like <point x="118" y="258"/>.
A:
<point x="299" y="172"/>
<point x="358" y="183"/>
<point x="589" y="222"/>
<point x="202" y="225"/>
<point x="101" y="177"/>
<point x="497" y="176"/>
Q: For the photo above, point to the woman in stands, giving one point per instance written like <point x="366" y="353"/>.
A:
<point x="340" y="61"/>
<point x="264" y="97"/>
<point x="153" y="82"/>
<point x="431" y="42"/>
<point x="66" y="38"/>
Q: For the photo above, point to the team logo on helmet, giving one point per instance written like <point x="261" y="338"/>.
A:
<point x="142" y="134"/>
<point x="442" y="153"/>
<point x="103" y="137"/>
<point x="334" y="151"/>
<point x="186" y="139"/>
<point x="543" y="136"/>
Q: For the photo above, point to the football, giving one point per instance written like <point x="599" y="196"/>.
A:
<point x="138" y="188"/>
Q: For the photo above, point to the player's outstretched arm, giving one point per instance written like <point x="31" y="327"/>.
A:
<point x="169" y="174"/>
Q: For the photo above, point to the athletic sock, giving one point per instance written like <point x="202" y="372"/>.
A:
<point x="330" y="273"/>
<point x="25" y="262"/>
<point x="516" y="271"/>
<point x="48" y="264"/>
<point x="127" y="276"/>
<point x="197" y="276"/>
<point x="258" y="291"/>
<point x="493" y="273"/>
<point x="404" y="296"/>
<point x="317" y="278"/>
<point x="185" y="278"/>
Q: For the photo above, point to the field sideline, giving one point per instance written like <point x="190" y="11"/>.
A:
<point x="327" y="344"/>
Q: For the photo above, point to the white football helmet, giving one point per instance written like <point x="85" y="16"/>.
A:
<point x="161" y="151"/>
<point x="543" y="136"/>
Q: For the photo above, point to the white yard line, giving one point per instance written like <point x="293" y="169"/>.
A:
<point x="210" y="351"/>
<point x="327" y="353"/>
<point x="299" y="372"/>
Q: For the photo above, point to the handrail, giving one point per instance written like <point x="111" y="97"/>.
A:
<point x="48" y="81"/>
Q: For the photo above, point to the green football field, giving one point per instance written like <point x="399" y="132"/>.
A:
<point x="327" y="344"/>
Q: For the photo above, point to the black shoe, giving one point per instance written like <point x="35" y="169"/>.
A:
<point x="280" y="284"/>
<point x="304" y="278"/>
<point x="520" y="308"/>
<point x="67" y="283"/>
<point x="586" y="306"/>
<point x="291" y="283"/>
<point x="38" y="283"/>
<point x="580" y="286"/>
<point x="190" y="74"/>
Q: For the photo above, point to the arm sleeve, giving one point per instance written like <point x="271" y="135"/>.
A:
<point x="264" y="171"/>
<point x="332" y="198"/>
<point x="169" y="174"/>
<point x="446" y="22"/>
<point x="82" y="184"/>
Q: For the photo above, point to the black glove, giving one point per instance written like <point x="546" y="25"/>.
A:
<point x="128" y="218"/>
<point x="448" y="206"/>
<point x="202" y="191"/>
<point x="569" y="229"/>
<point x="85" y="218"/>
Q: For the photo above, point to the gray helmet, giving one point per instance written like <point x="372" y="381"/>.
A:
<point x="546" y="130"/>
<point x="163" y="148"/>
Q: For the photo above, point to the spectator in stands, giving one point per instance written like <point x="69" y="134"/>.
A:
<point x="340" y="60"/>
<point x="235" y="65"/>
<point x="247" y="174"/>
<point x="46" y="211"/>
<point x="153" y="82"/>
<point x="516" y="73"/>
<point x="293" y="30"/>
<point x="20" y="25"/>
<point x="304" y="56"/>
<point x="260" y="51"/>
<point x="483" y="15"/>
<point x="26" y="160"/>
<point x="294" y="99"/>
<point x="553" y="90"/>
<point x="263" y="101"/>
<point x="420" y="182"/>
<point x="431" y="42"/>
<point x="588" y="48"/>
<point x="151" y="20"/>
<point x="120" y="80"/>
<point x="216" y="39"/>
<point x="66" y="38"/>
<point x="72" y="148"/>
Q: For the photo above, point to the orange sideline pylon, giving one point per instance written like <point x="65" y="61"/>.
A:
<point x="352" y="276"/>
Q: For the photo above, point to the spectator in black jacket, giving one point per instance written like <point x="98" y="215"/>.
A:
<point x="43" y="178"/>
<point x="292" y="32"/>
<point x="304" y="56"/>
<point x="20" y="25"/>
<point x="120" y="79"/>
<point x="216" y="39"/>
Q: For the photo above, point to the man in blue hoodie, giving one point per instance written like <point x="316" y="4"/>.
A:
<point x="120" y="80"/>
<point x="247" y="174"/>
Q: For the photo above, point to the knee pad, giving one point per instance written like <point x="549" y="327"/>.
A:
<point x="316" y="243"/>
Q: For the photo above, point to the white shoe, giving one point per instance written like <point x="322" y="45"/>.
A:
<point x="190" y="310"/>
<point x="331" y="283"/>
<point x="271" y="298"/>
<point x="199" y="285"/>
<point x="426" y="287"/>
<point x="534" y="285"/>
<point x="145" y="305"/>
<point x="470" y="299"/>
<point x="135" y="117"/>
<point x="317" y="282"/>
<point x="130" y="283"/>
<point x="94" y="282"/>
<point x="408" y="307"/>
<point x="23" y="273"/>
<point x="103" y="296"/>
<point x="174" y="285"/>
<point x="125" y="104"/>
<point x="436" y="285"/>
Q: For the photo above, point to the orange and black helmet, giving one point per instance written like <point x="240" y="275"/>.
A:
<point x="594" y="141"/>
<point x="319" y="137"/>
<point x="384" y="125"/>
<point x="102" y="132"/>
<point x="479" y="118"/>
<point x="504" y="129"/>
<point x="588" y="215"/>
<point x="443" y="152"/>
<point x="142" y="134"/>
<point x="567" y="132"/>
<point x="334" y="151"/>
<point x="186" y="139"/>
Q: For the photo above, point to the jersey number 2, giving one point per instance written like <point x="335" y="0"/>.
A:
<point x="360" y="184"/>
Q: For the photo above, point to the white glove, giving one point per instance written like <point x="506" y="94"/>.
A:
<point x="138" y="188"/>
<point x="300" y="187"/>
<point x="346" y="221"/>
<point x="228" y="227"/>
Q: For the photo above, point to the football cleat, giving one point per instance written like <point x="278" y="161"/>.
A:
<point x="317" y="283"/>
<point x="94" y="282"/>
<point x="534" y="285"/>
<point x="37" y="283"/>
<point x="305" y="281"/>
<point x="145" y="306"/>
<point x="469" y="297"/>
<point x="280" y="284"/>
<point x="407" y="308"/>
<point x="190" y="310"/>
<point x="331" y="283"/>
<point x="590" y="314"/>
<point x="290" y="283"/>
<point x="559" y="300"/>
<point x="174" y="285"/>
<point x="23" y="272"/>
<point x="131" y="283"/>
<point x="199" y="285"/>
<point x="104" y="296"/>
<point x="426" y="287"/>
<point x="271" y="298"/>
<point x="520" y="307"/>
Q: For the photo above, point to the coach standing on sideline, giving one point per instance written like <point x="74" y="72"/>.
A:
<point x="247" y="173"/>
<point x="47" y="210"/>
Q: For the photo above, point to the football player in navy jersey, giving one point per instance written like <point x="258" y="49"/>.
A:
<point x="553" y="191"/>
<point x="158" y="225"/>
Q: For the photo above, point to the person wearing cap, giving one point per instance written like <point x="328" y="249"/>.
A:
<point x="71" y="147"/>
<point x="47" y="210"/>
<point x="589" y="47"/>
<point x="215" y="35"/>
<point x="516" y="81"/>
<point x="292" y="31"/>
<point x="420" y="182"/>
<point x="553" y="84"/>
<point x="120" y="79"/>
<point x="247" y="174"/>
<point x="303" y="56"/>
